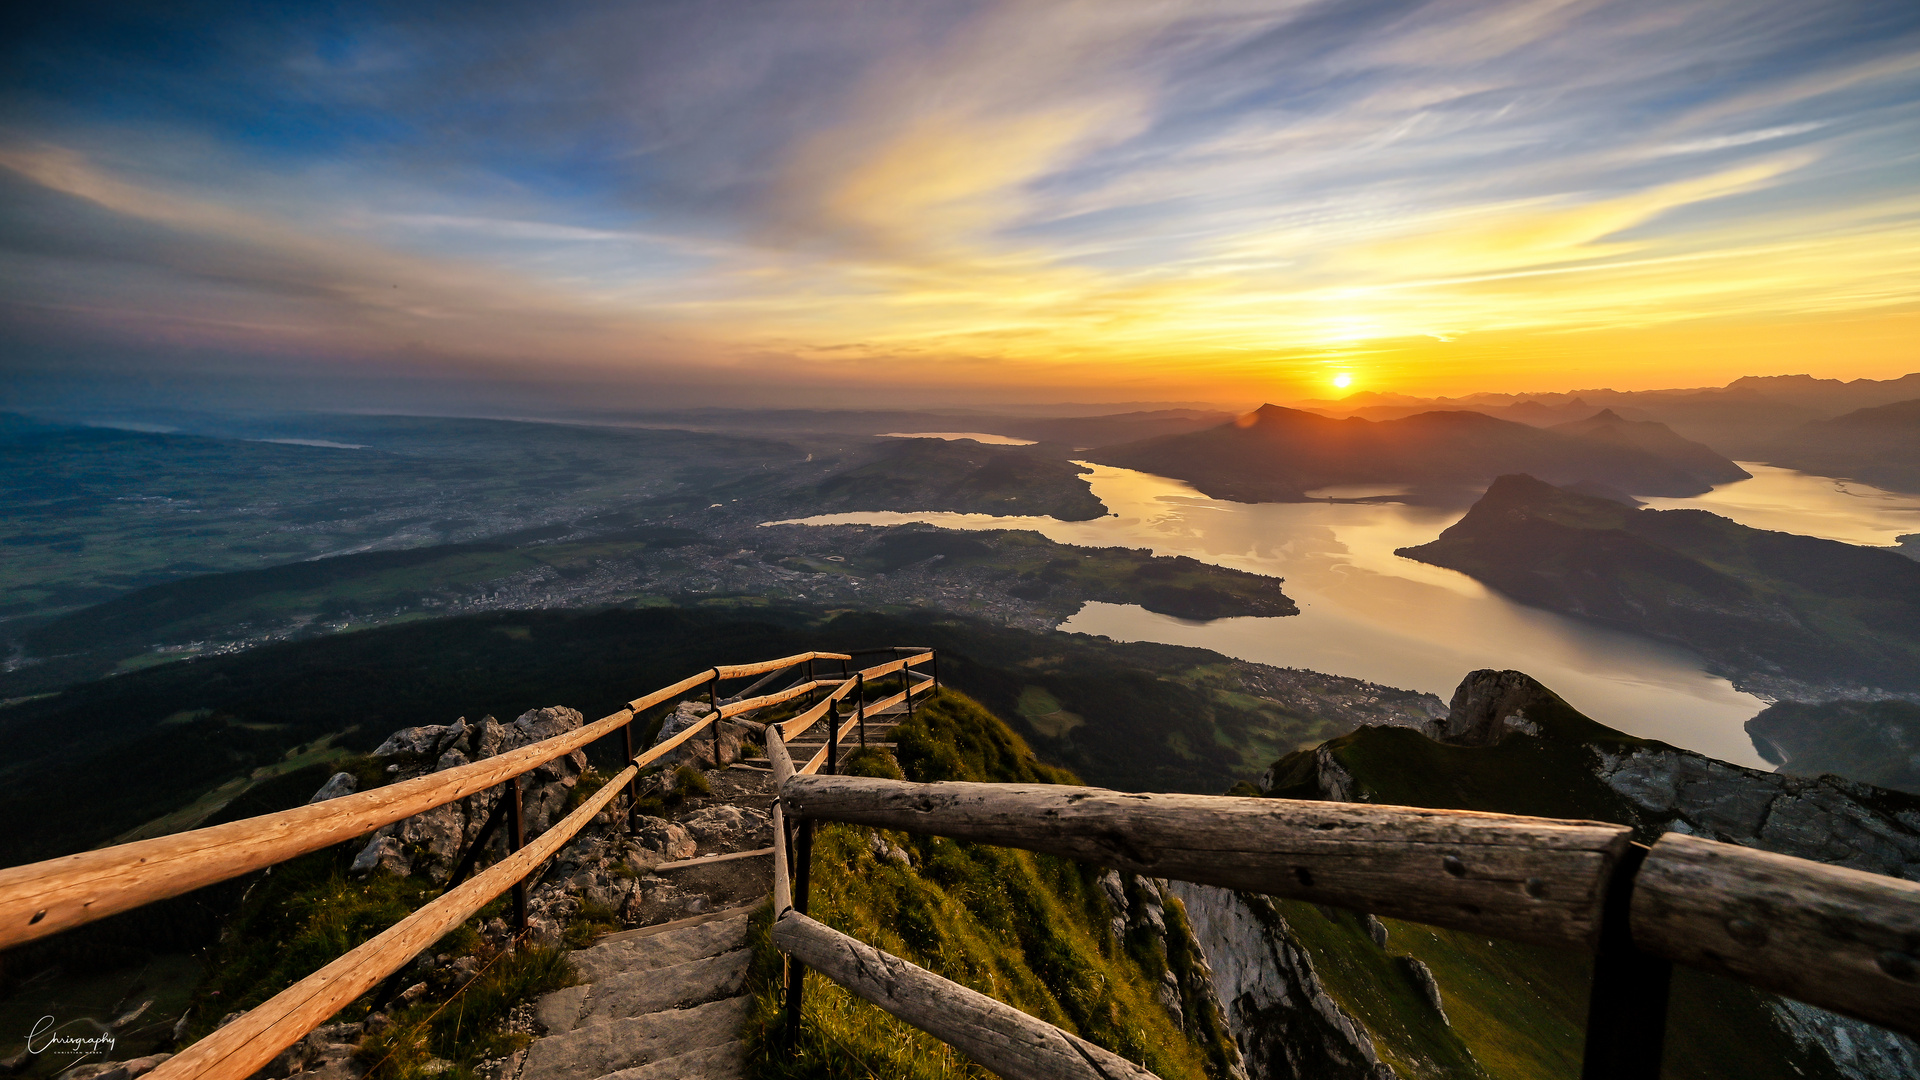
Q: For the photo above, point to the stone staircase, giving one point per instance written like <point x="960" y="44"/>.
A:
<point x="665" y="1002"/>
<point x="668" y="1001"/>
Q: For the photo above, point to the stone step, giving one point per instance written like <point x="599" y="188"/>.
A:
<point x="630" y="994"/>
<point x="728" y="1061"/>
<point x="665" y="945"/>
<point x="614" y="1046"/>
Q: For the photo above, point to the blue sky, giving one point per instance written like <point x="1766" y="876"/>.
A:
<point x="1189" y="200"/>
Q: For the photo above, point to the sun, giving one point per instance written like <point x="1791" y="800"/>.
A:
<point x="1343" y="380"/>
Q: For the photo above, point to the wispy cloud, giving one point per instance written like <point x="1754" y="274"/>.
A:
<point x="1129" y="189"/>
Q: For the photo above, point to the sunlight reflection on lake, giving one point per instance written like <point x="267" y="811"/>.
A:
<point x="1797" y="502"/>
<point x="958" y="436"/>
<point x="1368" y="613"/>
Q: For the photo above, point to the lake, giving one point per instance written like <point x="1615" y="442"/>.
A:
<point x="1368" y="613"/>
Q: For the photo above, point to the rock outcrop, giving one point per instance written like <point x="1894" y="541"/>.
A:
<point x="1285" y="1023"/>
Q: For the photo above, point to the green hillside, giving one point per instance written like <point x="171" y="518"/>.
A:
<point x="1030" y="930"/>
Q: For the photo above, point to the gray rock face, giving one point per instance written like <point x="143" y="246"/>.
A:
<point x="725" y="828"/>
<point x="432" y="842"/>
<point x="338" y="784"/>
<point x="1422" y="978"/>
<point x="1822" y="818"/>
<point x="1487" y="705"/>
<point x="1276" y="1007"/>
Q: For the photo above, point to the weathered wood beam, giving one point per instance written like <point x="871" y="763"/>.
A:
<point x="997" y="1035"/>
<point x="237" y="1050"/>
<point x="1842" y="939"/>
<point x="741" y="671"/>
<point x="45" y="897"/>
<point x="1530" y="879"/>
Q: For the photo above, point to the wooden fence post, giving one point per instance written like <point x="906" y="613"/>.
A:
<point x="516" y="838"/>
<point x="1627" y="1006"/>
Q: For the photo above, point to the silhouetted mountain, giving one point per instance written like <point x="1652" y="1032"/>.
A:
<point x="1659" y="440"/>
<point x="1755" y="603"/>
<point x="1880" y="446"/>
<point x="965" y="477"/>
<point x="1276" y="455"/>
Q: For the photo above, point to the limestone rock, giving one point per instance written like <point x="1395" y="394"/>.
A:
<point x="724" y="828"/>
<point x="1422" y="978"/>
<point x="338" y="784"/>
<point x="667" y="838"/>
<point x="1489" y="704"/>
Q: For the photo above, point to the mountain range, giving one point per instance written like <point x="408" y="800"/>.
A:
<point x="1880" y="445"/>
<point x="1276" y="454"/>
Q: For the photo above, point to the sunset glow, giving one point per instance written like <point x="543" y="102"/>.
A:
<point x="1124" y="200"/>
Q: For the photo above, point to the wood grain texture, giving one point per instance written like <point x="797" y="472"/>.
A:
<point x="995" y="1034"/>
<point x="1842" y="939"/>
<point x="782" y="764"/>
<point x="790" y="729"/>
<point x="236" y="1051"/>
<point x="45" y="897"/>
<point x="666" y="693"/>
<point x="741" y="671"/>
<point x="1529" y="879"/>
<point x="775" y="698"/>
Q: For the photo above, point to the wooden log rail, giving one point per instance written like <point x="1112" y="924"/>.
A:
<point x="244" y="1046"/>
<point x="1839" y="939"/>
<point x="38" y="899"/>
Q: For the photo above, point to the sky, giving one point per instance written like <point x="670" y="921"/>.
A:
<point x="750" y="202"/>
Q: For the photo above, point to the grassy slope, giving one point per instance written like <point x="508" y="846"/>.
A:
<point x="1520" y="1009"/>
<point x="1027" y="929"/>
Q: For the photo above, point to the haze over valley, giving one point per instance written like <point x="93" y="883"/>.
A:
<point x="963" y="539"/>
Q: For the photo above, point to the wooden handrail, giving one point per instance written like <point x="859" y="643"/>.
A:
<point x="1842" y="939"/>
<point x="853" y="722"/>
<point x="995" y="1034"/>
<point x="777" y="697"/>
<point x="789" y="729"/>
<point x="38" y="899"/>
<point x="42" y="898"/>
<point x="741" y="671"/>
<point x="1530" y="879"/>
<point x="238" y="1050"/>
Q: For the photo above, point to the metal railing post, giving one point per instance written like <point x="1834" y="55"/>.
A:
<point x="517" y="836"/>
<point x="936" y="671"/>
<point x="1627" y="1009"/>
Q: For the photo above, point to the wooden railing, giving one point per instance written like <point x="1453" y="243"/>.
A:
<point x="43" y="898"/>
<point x="1840" y="939"/>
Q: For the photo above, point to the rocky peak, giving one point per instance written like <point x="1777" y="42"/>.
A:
<point x="1488" y="704"/>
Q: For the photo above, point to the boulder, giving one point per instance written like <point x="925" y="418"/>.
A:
<point x="338" y="784"/>
<point x="724" y="828"/>
<point x="1489" y="704"/>
<point x="663" y="836"/>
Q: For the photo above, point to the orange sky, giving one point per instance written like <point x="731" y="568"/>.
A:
<point x="1056" y="201"/>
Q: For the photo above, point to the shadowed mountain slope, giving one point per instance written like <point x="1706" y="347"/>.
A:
<point x="1657" y="439"/>
<point x="1880" y="446"/>
<point x="1757" y="604"/>
<point x="1277" y="455"/>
